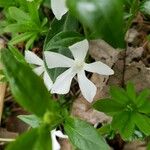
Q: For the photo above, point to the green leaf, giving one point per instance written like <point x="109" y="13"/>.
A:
<point x="18" y="15"/>
<point x="35" y="139"/>
<point x="67" y="23"/>
<point x="108" y="106"/>
<point x="16" y="27"/>
<point x="98" y="15"/>
<point x="145" y="108"/>
<point x="26" y="140"/>
<point x="84" y="136"/>
<point x="21" y="37"/>
<point x="33" y="8"/>
<point x="124" y="124"/>
<point x="143" y="123"/>
<point x="30" y="42"/>
<point x="131" y="91"/>
<point x="17" y="54"/>
<point x="63" y="40"/>
<point x="44" y="139"/>
<point x="28" y="94"/>
<point x="142" y="97"/>
<point x="105" y="130"/>
<point x="31" y="120"/>
<point x="7" y="3"/>
<point x="119" y="95"/>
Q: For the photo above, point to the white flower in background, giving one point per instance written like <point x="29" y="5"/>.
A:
<point x="59" y="8"/>
<point x="31" y="58"/>
<point x="55" y="143"/>
<point x="76" y="66"/>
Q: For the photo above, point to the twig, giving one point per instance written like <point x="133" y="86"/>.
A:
<point x="6" y="140"/>
<point x="2" y="85"/>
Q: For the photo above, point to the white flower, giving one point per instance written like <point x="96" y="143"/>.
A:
<point x="54" y="134"/>
<point x="76" y="66"/>
<point x="59" y="8"/>
<point x="34" y="59"/>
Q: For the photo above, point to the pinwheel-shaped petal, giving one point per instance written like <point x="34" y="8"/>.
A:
<point x="59" y="8"/>
<point x="40" y="69"/>
<point x="54" y="135"/>
<point x="77" y="66"/>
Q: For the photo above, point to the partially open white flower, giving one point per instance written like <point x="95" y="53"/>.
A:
<point x="34" y="59"/>
<point x="59" y="8"/>
<point x="55" y="143"/>
<point x="76" y="66"/>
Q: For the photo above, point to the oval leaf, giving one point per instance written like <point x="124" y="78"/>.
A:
<point x="84" y="136"/>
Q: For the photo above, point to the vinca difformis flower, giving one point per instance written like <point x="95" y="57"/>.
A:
<point x="77" y="66"/>
<point x="31" y="58"/>
<point x="55" y="143"/>
<point x="59" y="8"/>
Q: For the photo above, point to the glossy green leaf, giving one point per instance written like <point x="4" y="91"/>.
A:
<point x="63" y="40"/>
<point x="108" y="106"/>
<point x="20" y="76"/>
<point x="67" y="23"/>
<point x="31" y="120"/>
<point x="84" y="136"/>
<point x="103" y="17"/>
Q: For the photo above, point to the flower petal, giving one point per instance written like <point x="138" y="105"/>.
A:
<point x="88" y="89"/>
<point x="38" y="70"/>
<point x="60" y="134"/>
<point x="54" y="60"/>
<point x="63" y="82"/>
<point x="47" y="80"/>
<point x="80" y="49"/>
<point x="33" y="58"/>
<point x="99" y="67"/>
<point x="59" y="8"/>
<point x="55" y="143"/>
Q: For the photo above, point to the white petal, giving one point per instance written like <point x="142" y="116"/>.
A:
<point x="80" y="49"/>
<point x="47" y="80"/>
<point x="55" y="143"/>
<point x="59" y="8"/>
<point x="39" y="70"/>
<point x="63" y="82"/>
<point x="99" y="67"/>
<point x="54" y="60"/>
<point x="60" y="134"/>
<point x="88" y="89"/>
<point x="33" y="58"/>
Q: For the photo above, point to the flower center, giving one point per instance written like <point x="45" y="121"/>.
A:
<point x="79" y="65"/>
